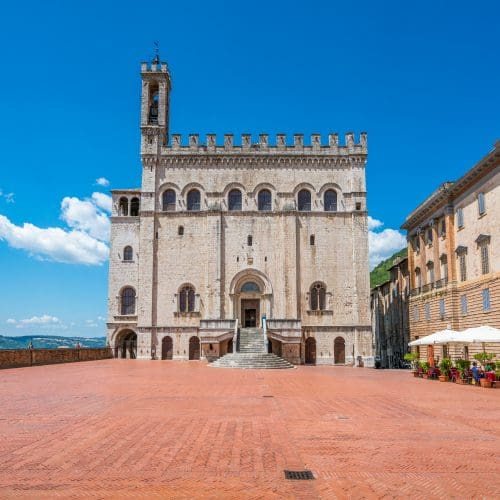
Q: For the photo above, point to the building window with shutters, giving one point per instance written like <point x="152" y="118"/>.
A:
<point x="485" y="261"/>
<point x="460" y="218"/>
<point x="486" y="300"/>
<point x="463" y="267"/>
<point x="463" y="305"/>
<point x="481" y="205"/>
<point x="427" y="311"/>
<point x="415" y="313"/>
<point x="441" y="308"/>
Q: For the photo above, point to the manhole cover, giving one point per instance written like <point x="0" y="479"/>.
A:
<point x="300" y="475"/>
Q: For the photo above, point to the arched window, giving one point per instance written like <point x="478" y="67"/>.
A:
<point x="265" y="200"/>
<point x="134" y="207"/>
<point x="186" y="299"/>
<point x="193" y="200"/>
<point x="123" y="206"/>
<point x="330" y="200"/>
<point x="304" y="200"/>
<point x="234" y="199"/>
<point x="128" y="301"/>
<point x="153" y="110"/>
<point x="418" y="277"/>
<point x="250" y="286"/>
<point x="168" y="200"/>
<point x="128" y="253"/>
<point x="318" y="297"/>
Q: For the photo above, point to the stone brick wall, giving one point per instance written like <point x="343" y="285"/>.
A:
<point x="17" y="358"/>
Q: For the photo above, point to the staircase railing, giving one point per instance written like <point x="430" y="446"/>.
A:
<point x="235" y="336"/>
<point x="264" y="329"/>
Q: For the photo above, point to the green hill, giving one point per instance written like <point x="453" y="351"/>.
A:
<point x="381" y="273"/>
<point x="49" y="342"/>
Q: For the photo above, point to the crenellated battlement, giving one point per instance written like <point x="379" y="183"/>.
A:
<point x="279" y="145"/>
<point x="153" y="67"/>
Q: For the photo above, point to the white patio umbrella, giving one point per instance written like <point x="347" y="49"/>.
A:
<point x="441" y="337"/>
<point x="478" y="334"/>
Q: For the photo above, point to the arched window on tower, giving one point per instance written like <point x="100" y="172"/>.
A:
<point x="123" y="206"/>
<point x="186" y="299"/>
<point x="265" y="200"/>
<point x="193" y="200"/>
<point x="153" y="110"/>
<point x="168" y="200"/>
<point x="134" y="207"/>
<point x="330" y="200"/>
<point x="128" y="253"/>
<point x="304" y="200"/>
<point x="234" y="199"/>
<point x="317" y="297"/>
<point x="128" y="301"/>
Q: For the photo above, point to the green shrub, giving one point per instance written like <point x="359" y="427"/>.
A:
<point x="445" y="366"/>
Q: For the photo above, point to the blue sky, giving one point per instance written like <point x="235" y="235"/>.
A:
<point x="421" y="78"/>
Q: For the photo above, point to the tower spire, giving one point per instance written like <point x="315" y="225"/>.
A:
<point x="156" y="59"/>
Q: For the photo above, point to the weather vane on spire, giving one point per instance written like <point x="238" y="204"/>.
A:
<point x="156" y="59"/>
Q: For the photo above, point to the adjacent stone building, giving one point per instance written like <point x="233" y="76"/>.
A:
<point x="390" y="320"/>
<point x="454" y="258"/>
<point x="222" y="235"/>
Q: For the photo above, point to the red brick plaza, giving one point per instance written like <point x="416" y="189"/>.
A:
<point x="153" y="429"/>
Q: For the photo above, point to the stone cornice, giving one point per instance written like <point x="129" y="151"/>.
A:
<point x="256" y="161"/>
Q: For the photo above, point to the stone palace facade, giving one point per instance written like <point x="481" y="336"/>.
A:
<point x="222" y="236"/>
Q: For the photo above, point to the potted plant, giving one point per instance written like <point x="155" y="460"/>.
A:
<point x="445" y="366"/>
<point x="485" y="358"/>
<point x="425" y="366"/>
<point x="463" y="366"/>
<point x="412" y="357"/>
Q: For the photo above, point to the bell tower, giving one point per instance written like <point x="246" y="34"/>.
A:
<point x="154" y="105"/>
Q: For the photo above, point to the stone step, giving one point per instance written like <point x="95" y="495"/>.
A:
<point x="251" y="361"/>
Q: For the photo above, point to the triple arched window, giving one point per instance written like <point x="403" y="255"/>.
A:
<point x="193" y="200"/>
<point x="317" y="297"/>
<point x="187" y="299"/>
<point x="304" y="200"/>
<point x="234" y="200"/>
<point x="128" y="253"/>
<point x="128" y="301"/>
<point x="168" y="200"/>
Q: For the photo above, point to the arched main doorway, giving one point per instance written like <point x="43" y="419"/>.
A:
<point x="126" y="345"/>
<point x="251" y="295"/>
<point x="310" y="357"/>
<point x="339" y="351"/>
<point x="167" y="348"/>
<point x="194" y="348"/>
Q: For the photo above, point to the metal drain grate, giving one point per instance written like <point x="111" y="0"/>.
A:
<point x="267" y="396"/>
<point x="299" y="475"/>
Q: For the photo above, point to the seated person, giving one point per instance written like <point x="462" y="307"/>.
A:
<point x="476" y="374"/>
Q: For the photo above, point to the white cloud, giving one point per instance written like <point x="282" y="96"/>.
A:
<point x="101" y="318"/>
<point x="54" y="243"/>
<point x="40" y="320"/>
<point x="84" y="241"/>
<point x="374" y="223"/>
<point x="102" y="201"/>
<point x="102" y="181"/>
<point x="11" y="321"/>
<point x="8" y="197"/>
<point x="85" y="216"/>
<point x="383" y="244"/>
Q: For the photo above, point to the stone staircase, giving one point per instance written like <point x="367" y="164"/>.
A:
<point x="251" y="353"/>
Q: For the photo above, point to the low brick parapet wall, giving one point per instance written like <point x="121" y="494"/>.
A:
<point x="16" y="358"/>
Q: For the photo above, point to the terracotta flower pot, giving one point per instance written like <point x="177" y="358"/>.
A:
<point x="485" y="383"/>
<point x="444" y="378"/>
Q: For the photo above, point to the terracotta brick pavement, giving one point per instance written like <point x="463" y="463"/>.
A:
<point x="163" y="429"/>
